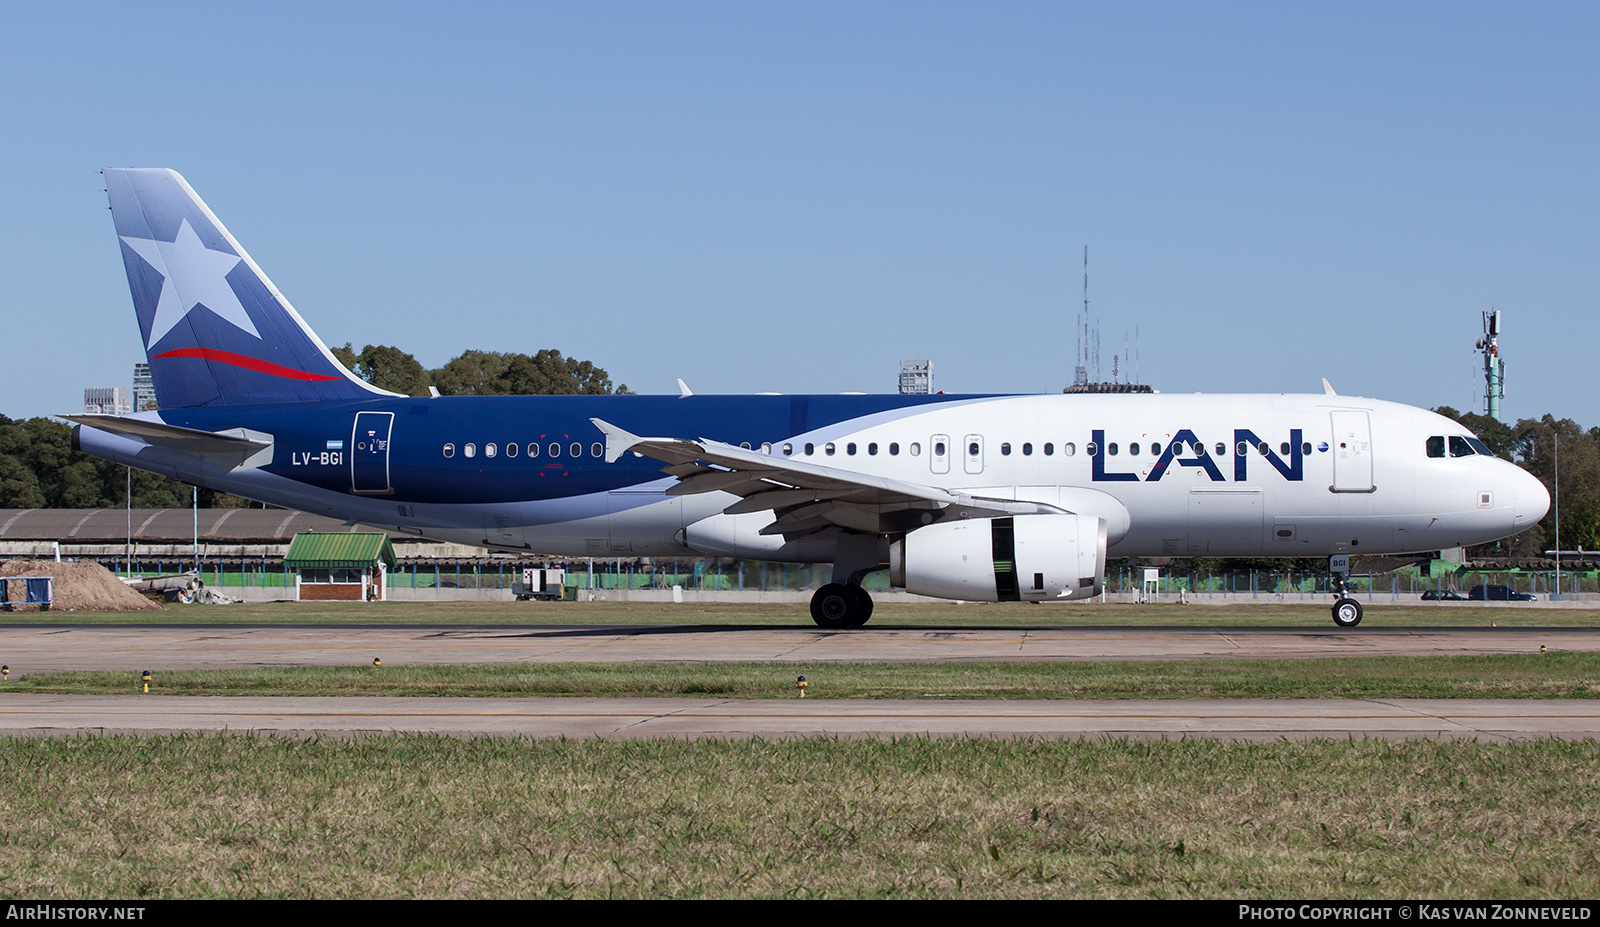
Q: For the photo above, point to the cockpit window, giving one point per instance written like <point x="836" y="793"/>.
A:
<point x="1480" y="447"/>
<point x="1459" y="447"/>
<point x="1436" y="446"/>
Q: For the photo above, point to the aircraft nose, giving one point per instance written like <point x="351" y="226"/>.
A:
<point x="1532" y="500"/>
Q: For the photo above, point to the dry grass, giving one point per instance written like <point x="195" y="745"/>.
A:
<point x="1550" y="675"/>
<point x="230" y="816"/>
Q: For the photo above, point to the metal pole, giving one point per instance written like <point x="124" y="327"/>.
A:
<point x="1557" y="596"/>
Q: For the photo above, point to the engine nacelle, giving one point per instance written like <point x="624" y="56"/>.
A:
<point x="1026" y="558"/>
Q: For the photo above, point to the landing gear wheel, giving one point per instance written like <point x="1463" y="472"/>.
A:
<point x="862" y="606"/>
<point x="1347" y="613"/>
<point x="833" y="606"/>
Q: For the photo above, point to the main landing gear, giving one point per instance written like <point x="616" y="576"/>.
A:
<point x="841" y="605"/>
<point x="1346" y="611"/>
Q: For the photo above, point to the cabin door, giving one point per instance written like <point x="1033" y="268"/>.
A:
<point x="369" y="452"/>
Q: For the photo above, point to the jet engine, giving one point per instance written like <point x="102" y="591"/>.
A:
<point x="1022" y="558"/>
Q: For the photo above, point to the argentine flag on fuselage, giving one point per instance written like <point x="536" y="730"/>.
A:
<point x="216" y="331"/>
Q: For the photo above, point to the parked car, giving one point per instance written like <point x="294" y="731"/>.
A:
<point x="1499" y="594"/>
<point x="1443" y="595"/>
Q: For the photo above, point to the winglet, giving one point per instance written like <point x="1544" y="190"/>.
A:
<point x="617" y="440"/>
<point x="1327" y="388"/>
<point x="684" y="392"/>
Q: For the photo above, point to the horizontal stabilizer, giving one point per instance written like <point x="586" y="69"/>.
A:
<point x="235" y="449"/>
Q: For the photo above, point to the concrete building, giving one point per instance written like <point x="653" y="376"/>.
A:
<point x="106" y="400"/>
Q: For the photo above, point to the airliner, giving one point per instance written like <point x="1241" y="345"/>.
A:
<point x="968" y="497"/>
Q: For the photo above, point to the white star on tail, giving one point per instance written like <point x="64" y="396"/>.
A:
<point x="194" y="274"/>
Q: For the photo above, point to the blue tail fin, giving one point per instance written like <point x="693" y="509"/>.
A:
<point x="216" y="330"/>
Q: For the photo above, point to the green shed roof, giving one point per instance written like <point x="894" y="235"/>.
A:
<point x="352" y="549"/>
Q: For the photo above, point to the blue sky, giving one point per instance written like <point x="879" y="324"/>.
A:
<point x="795" y="197"/>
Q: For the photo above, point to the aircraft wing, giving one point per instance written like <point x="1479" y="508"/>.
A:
<point x="805" y="497"/>
<point x="235" y="449"/>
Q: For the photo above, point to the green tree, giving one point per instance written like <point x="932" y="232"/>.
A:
<point x="547" y="373"/>
<point x="386" y="368"/>
<point x="473" y="373"/>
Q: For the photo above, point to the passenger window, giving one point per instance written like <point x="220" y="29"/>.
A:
<point x="576" y="449"/>
<point x="1005" y="449"/>
<point x="470" y="450"/>
<point x="938" y="449"/>
<point x="1242" y="449"/>
<point x="554" y="449"/>
<point x="1262" y="447"/>
<point x="810" y="449"/>
<point x="788" y="449"/>
<point x="489" y="450"/>
<point x="872" y="449"/>
<point x="766" y="447"/>
<point x="1027" y="449"/>
<point x="745" y="445"/>
<point x="1049" y="449"/>
<point x="850" y="448"/>
<point x="1112" y="448"/>
<point x="511" y="450"/>
<point x="1091" y="449"/>
<point x="598" y="450"/>
<point x="1068" y="449"/>
<point x="915" y="448"/>
<point x="894" y="448"/>
<point x="1459" y="447"/>
<point x="972" y="449"/>
<point x="1222" y="449"/>
<point x="1284" y="448"/>
<point x="828" y="449"/>
<point x="1133" y="449"/>
<point x="533" y="450"/>
<point x="449" y="450"/>
<point x="1155" y="449"/>
<point x="1305" y="447"/>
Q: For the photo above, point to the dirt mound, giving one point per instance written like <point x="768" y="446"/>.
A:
<point x="77" y="587"/>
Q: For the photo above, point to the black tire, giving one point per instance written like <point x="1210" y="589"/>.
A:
<point x="863" y="606"/>
<point x="1347" y="613"/>
<point x="833" y="606"/>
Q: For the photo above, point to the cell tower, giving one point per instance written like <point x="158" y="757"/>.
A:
<point x="1494" y="369"/>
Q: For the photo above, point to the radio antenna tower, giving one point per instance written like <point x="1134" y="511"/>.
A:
<point x="1080" y="372"/>
<point x="1494" y="369"/>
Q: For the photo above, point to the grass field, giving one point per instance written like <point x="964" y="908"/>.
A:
<point x="1244" y="613"/>
<point x="234" y="816"/>
<point x="1551" y="675"/>
<point x="425" y="816"/>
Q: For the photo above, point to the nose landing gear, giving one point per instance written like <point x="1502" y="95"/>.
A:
<point x="1346" y="610"/>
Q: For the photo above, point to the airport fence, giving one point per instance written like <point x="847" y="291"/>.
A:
<point x="744" y="575"/>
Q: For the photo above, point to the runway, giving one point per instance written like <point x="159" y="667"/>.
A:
<point x="40" y="648"/>
<point x="32" y="649"/>
<point x="1488" y="720"/>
